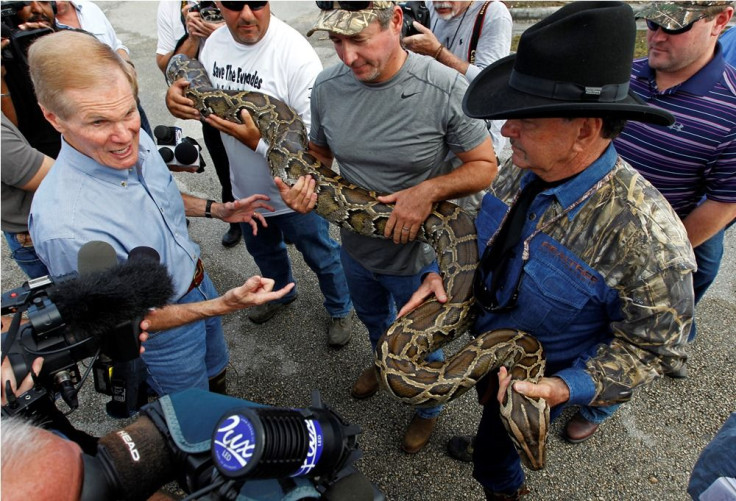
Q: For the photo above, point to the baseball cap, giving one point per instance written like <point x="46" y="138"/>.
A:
<point x="677" y="15"/>
<point x="344" y="21"/>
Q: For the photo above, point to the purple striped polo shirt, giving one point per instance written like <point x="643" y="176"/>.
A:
<point x="696" y="156"/>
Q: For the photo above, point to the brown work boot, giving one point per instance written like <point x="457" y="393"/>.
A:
<point x="579" y="429"/>
<point x="366" y="385"/>
<point x="500" y="496"/>
<point x="417" y="434"/>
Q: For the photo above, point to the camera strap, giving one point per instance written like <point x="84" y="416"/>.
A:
<point x="476" y="32"/>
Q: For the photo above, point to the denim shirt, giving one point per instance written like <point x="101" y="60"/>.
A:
<point x="605" y="288"/>
<point x="81" y="200"/>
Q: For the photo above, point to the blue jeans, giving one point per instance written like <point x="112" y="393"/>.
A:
<point x="25" y="257"/>
<point x="310" y="234"/>
<point x="187" y="356"/>
<point x="708" y="257"/>
<point x="377" y="298"/>
<point x="496" y="463"/>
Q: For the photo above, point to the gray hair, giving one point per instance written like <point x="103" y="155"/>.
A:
<point x="54" y="63"/>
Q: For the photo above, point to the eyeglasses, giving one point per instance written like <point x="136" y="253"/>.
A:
<point x="351" y="6"/>
<point x="654" y="27"/>
<point x="238" y="6"/>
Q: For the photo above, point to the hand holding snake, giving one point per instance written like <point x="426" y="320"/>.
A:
<point x="401" y="352"/>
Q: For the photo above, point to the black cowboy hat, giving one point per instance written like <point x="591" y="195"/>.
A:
<point x="574" y="63"/>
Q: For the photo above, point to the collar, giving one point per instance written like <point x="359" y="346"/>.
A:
<point x="86" y="165"/>
<point x="570" y="192"/>
<point x="699" y="84"/>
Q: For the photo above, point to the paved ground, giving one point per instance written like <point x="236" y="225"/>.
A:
<point x="645" y="452"/>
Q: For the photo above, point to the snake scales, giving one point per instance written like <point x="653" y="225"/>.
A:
<point x="448" y="229"/>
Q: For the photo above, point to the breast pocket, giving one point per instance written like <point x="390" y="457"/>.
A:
<point x="556" y="289"/>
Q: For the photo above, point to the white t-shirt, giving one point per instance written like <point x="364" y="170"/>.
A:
<point x="282" y="64"/>
<point x="93" y="21"/>
<point x="170" y="29"/>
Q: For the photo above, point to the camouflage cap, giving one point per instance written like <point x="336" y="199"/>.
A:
<point x="345" y="22"/>
<point x="676" y="15"/>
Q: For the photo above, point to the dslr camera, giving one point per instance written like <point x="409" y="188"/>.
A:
<point x="208" y="11"/>
<point x="413" y="11"/>
<point x="181" y="154"/>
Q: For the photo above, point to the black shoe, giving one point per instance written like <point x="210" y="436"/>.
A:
<point x="461" y="448"/>
<point x="233" y="236"/>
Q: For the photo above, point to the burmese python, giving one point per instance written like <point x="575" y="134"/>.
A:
<point x="448" y="229"/>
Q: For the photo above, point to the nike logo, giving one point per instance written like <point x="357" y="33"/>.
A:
<point x="404" y="95"/>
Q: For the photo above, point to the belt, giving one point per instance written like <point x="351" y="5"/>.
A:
<point x="24" y="239"/>
<point x="198" y="276"/>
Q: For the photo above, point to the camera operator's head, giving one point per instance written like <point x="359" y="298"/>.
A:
<point x="38" y="464"/>
<point x="447" y="10"/>
<point x="93" y="105"/>
<point x="37" y="12"/>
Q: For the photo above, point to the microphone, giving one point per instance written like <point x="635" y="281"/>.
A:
<point x="132" y="463"/>
<point x="166" y="154"/>
<point x="139" y="253"/>
<point x="100" y="301"/>
<point x="95" y="256"/>
<point x="186" y="153"/>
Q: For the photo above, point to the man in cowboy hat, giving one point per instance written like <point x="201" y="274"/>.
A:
<point x="693" y="161"/>
<point x="579" y="250"/>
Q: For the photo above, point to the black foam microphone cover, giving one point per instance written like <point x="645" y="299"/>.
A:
<point x="166" y="154"/>
<point x="143" y="253"/>
<point x="186" y="153"/>
<point x="164" y="134"/>
<point x="97" y="303"/>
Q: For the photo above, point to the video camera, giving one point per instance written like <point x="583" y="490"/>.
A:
<point x="179" y="153"/>
<point x="20" y="40"/>
<point x="413" y="11"/>
<point x="72" y="318"/>
<point x="219" y="448"/>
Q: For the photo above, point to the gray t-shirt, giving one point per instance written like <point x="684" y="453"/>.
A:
<point x="391" y="136"/>
<point x="20" y="162"/>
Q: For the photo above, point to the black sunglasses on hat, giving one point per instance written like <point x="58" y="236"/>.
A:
<point x="654" y="26"/>
<point x="238" y="6"/>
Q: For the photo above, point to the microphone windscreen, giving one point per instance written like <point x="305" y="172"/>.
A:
<point x="96" y="303"/>
<point x="186" y="153"/>
<point x="166" y="154"/>
<point x="164" y="134"/>
<point x="142" y="253"/>
<point x="95" y="256"/>
<point x="139" y="458"/>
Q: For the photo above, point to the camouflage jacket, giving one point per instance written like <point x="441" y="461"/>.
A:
<point x="607" y="287"/>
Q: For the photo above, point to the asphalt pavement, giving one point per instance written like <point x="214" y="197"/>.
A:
<point x="645" y="452"/>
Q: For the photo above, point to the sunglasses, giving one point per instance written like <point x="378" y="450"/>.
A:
<point x="485" y="297"/>
<point x="350" y="6"/>
<point x="238" y="6"/>
<point x="654" y="27"/>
